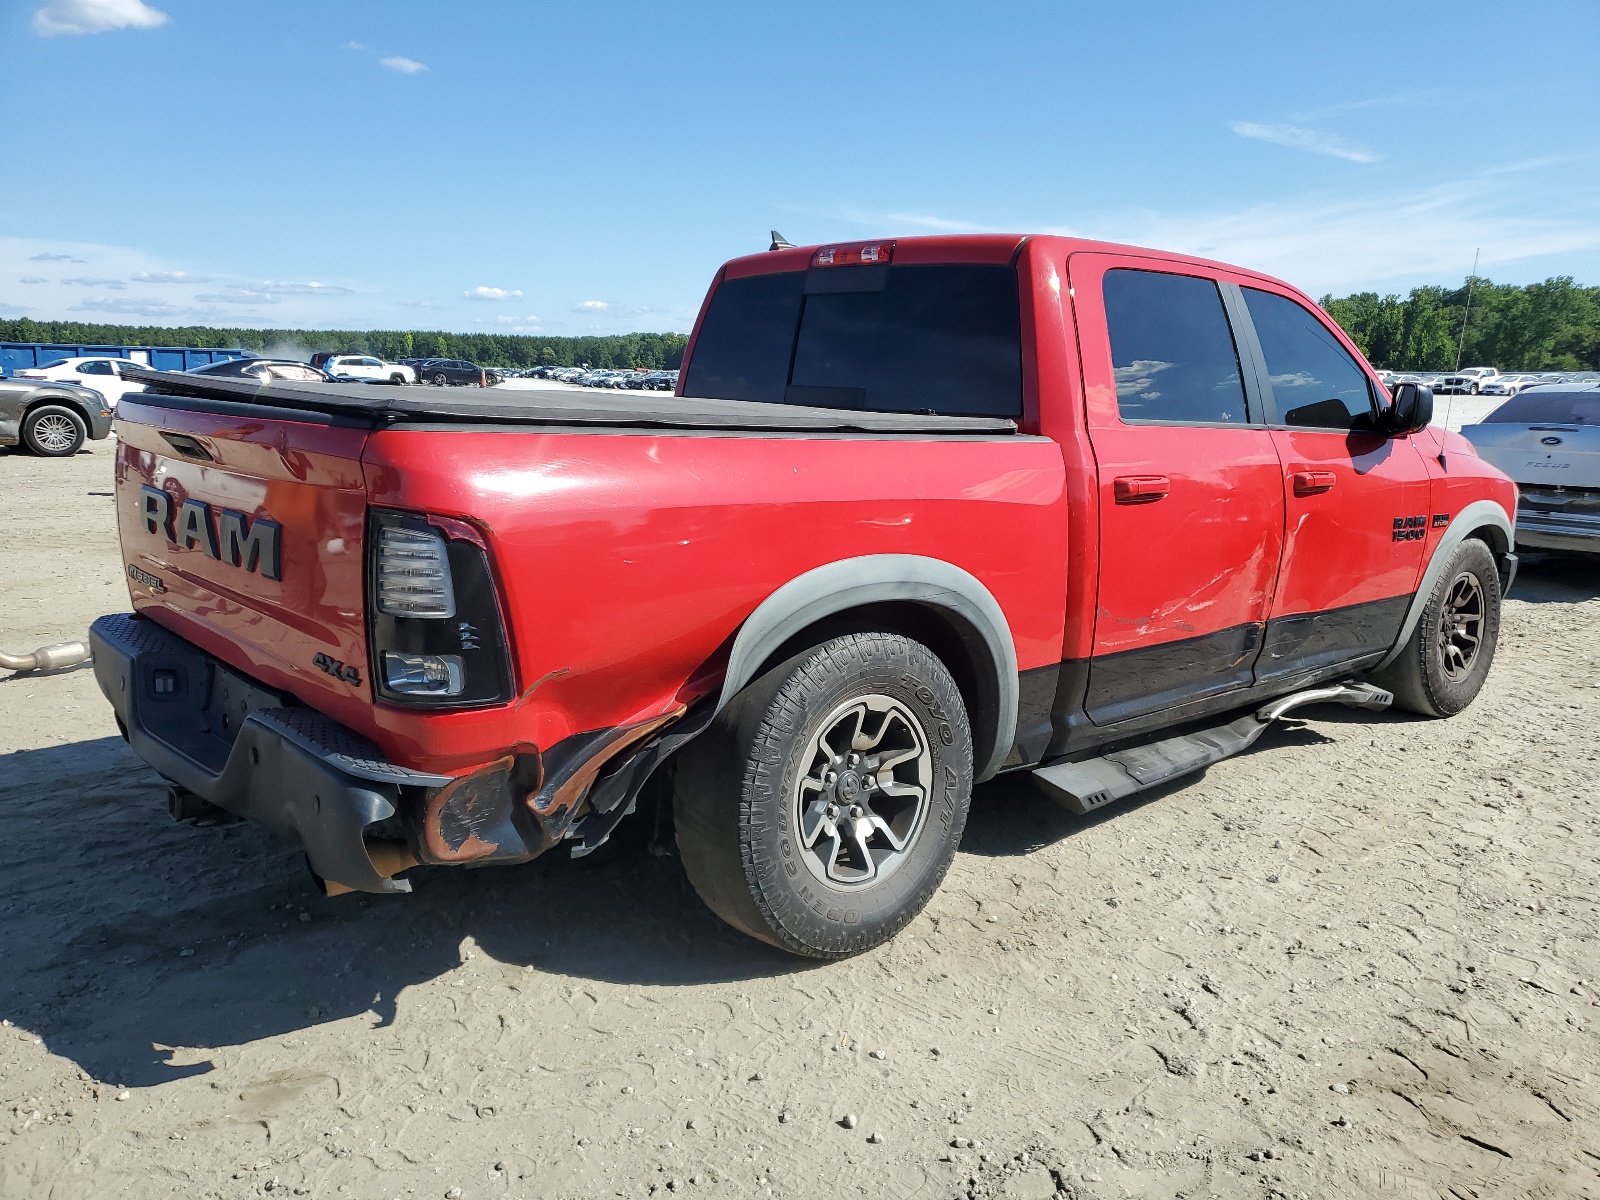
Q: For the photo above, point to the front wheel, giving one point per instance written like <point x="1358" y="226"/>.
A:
<point x="397" y="379"/>
<point x="1444" y="663"/>
<point x="54" y="431"/>
<point x="822" y="808"/>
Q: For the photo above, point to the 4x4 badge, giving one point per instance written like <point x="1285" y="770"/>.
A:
<point x="332" y="666"/>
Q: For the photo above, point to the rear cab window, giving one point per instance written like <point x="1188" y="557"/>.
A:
<point x="1552" y="406"/>
<point x="941" y="338"/>
<point x="1172" y="350"/>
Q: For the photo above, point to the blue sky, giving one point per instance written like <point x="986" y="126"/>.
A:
<point x="585" y="167"/>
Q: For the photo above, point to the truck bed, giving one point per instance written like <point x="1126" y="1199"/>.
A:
<point x="389" y="404"/>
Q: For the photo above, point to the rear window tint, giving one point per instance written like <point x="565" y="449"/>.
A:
<point x="1550" y="407"/>
<point x="939" y="338"/>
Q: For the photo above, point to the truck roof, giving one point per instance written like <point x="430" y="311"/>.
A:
<point x="969" y="247"/>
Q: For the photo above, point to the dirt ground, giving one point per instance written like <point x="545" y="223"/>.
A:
<point x="1361" y="959"/>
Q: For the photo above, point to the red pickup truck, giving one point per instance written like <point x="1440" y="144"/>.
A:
<point x="921" y="511"/>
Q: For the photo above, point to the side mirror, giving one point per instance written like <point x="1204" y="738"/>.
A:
<point x="1411" y="408"/>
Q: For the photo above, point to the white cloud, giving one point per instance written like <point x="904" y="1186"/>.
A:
<point x="356" y="46"/>
<point x="1409" y="237"/>
<point x="56" y="258"/>
<point x="1300" y="138"/>
<point x="116" y="285"/>
<point x="95" y="16"/>
<point x="592" y="306"/>
<point x="127" y="306"/>
<point x="1401" y="100"/>
<point x="167" y="277"/>
<point x="491" y="293"/>
<point x="406" y="66"/>
<point x="33" y="279"/>
<point x="236" y="296"/>
<point x="528" y="324"/>
<point x="282" y="287"/>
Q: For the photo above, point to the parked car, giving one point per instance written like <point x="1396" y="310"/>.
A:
<point x="910" y="524"/>
<point x="265" y="370"/>
<point x="1506" y="385"/>
<point x="365" y="367"/>
<point x="103" y="375"/>
<point x="1547" y="438"/>
<point x="442" y="371"/>
<point x="52" y="418"/>
<point x="1468" y="381"/>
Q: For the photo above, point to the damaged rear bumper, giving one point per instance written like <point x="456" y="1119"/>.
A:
<point x="249" y="750"/>
<point x="263" y="756"/>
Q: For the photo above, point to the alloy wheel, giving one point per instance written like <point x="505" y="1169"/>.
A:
<point x="1461" y="626"/>
<point x="863" y="796"/>
<point x="55" y="433"/>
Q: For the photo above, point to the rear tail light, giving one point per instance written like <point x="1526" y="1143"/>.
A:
<point x="436" y="634"/>
<point x="853" y="255"/>
<point x="413" y="574"/>
<point x="424" y="674"/>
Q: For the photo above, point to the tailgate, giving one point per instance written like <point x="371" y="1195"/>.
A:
<point x="244" y="534"/>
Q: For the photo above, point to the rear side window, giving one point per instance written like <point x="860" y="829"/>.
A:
<point x="1172" y="349"/>
<point x="1550" y="407"/>
<point x="936" y="337"/>
<point x="1315" y="382"/>
<point x="98" y="366"/>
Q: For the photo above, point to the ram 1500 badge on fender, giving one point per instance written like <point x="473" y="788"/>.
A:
<point x="922" y="511"/>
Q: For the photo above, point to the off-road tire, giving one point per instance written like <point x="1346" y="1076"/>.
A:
<point x="54" y="431"/>
<point x="1419" y="677"/>
<point x="735" y="809"/>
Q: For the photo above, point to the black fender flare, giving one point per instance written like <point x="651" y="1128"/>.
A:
<point x="838" y="587"/>
<point x="1478" y="517"/>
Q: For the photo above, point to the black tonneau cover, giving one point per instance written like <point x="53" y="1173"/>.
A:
<point x="386" y="404"/>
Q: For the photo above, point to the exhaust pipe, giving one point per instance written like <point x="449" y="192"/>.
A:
<point x="48" y="658"/>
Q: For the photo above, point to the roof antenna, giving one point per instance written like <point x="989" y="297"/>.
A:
<point x="779" y="242"/>
<point x="1462" y="344"/>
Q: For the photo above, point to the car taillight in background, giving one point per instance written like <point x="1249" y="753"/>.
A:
<point x="435" y="629"/>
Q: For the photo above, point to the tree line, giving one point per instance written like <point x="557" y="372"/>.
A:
<point x="1549" y="326"/>
<point x="659" y="351"/>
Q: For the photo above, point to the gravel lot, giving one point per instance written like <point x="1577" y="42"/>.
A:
<point x="1360" y="959"/>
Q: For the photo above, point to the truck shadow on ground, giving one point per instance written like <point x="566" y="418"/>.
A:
<point x="138" y="946"/>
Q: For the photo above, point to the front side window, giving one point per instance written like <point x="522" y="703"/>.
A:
<point x="1172" y="350"/>
<point x="909" y="338"/>
<point x="1315" y="382"/>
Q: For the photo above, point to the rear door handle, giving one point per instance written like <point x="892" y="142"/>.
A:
<point x="1313" y="483"/>
<point x="1140" y="489"/>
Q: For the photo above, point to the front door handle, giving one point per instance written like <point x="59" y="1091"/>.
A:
<point x="1313" y="483"/>
<point x="1140" y="489"/>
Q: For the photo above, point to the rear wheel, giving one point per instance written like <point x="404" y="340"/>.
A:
<point x="439" y="379"/>
<point x="822" y="808"/>
<point x="53" y="431"/>
<point x="1445" y="661"/>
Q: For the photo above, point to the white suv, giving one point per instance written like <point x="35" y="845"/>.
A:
<point x="364" y="366"/>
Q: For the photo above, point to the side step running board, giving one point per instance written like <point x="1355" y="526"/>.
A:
<point x="1093" y="783"/>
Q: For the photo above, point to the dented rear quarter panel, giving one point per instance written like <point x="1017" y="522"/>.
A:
<point x="627" y="561"/>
